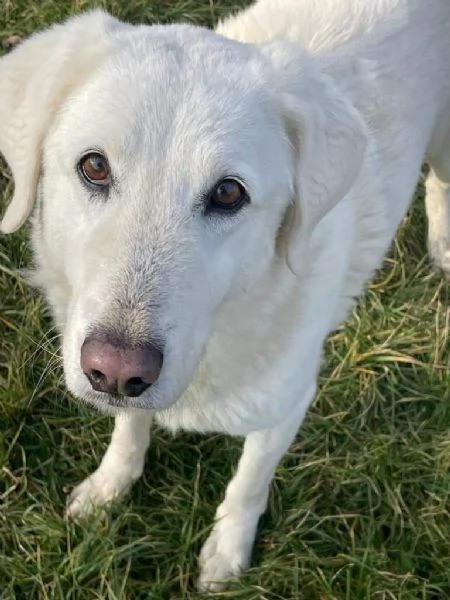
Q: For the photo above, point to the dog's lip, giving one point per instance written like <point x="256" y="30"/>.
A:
<point x="116" y="399"/>
<point x="103" y="401"/>
<point x="119" y="401"/>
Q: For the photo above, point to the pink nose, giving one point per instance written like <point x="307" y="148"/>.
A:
<point x="116" y="369"/>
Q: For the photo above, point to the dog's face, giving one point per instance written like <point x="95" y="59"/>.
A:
<point x="167" y="172"/>
<point x="167" y="175"/>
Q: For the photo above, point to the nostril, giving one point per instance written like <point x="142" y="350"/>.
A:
<point x="135" y="381"/>
<point x="100" y="382"/>
<point x="96" y="376"/>
<point x="133" y="387"/>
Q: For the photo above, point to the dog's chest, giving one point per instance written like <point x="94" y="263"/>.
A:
<point x="218" y="404"/>
<point x="251" y="393"/>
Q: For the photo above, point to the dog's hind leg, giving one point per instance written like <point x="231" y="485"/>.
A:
<point x="122" y="464"/>
<point x="437" y="202"/>
<point x="227" y="550"/>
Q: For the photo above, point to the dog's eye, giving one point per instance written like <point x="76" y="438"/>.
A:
<point x="95" y="170"/>
<point x="229" y="195"/>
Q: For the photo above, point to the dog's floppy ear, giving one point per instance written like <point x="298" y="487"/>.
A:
<point x="328" y="136"/>
<point x="34" y="80"/>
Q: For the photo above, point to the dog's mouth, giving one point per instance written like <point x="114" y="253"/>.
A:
<point x="117" y="400"/>
<point x="114" y="403"/>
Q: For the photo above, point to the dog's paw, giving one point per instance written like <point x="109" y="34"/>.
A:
<point x="95" y="491"/>
<point x="440" y="256"/>
<point x="226" y="553"/>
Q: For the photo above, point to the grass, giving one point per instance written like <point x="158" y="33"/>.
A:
<point x="360" y="505"/>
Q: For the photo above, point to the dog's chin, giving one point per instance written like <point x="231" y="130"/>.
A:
<point x="114" y="404"/>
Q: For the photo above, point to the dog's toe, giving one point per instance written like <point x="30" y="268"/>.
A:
<point x="216" y="572"/>
<point x="84" y="497"/>
<point x="95" y="491"/>
<point x="217" y="568"/>
<point x="226" y="553"/>
<point x="439" y="252"/>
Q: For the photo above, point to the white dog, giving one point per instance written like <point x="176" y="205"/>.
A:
<point x="209" y="204"/>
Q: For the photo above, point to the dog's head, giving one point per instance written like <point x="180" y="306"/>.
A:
<point x="167" y="163"/>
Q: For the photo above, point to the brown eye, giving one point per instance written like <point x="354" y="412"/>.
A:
<point x="94" y="168"/>
<point x="228" y="195"/>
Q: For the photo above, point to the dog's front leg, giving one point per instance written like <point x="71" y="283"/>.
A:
<point x="122" y="464"/>
<point x="227" y="550"/>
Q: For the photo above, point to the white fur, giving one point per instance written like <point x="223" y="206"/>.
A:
<point x="325" y="110"/>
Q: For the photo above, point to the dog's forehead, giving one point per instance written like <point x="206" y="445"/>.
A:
<point x="190" y="73"/>
<point x="173" y="104"/>
<point x="170" y="82"/>
<point x="182" y="51"/>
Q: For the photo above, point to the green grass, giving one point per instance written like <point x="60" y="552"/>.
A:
<point x="360" y="505"/>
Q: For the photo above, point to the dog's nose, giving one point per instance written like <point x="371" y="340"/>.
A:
<point x="118" y="369"/>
